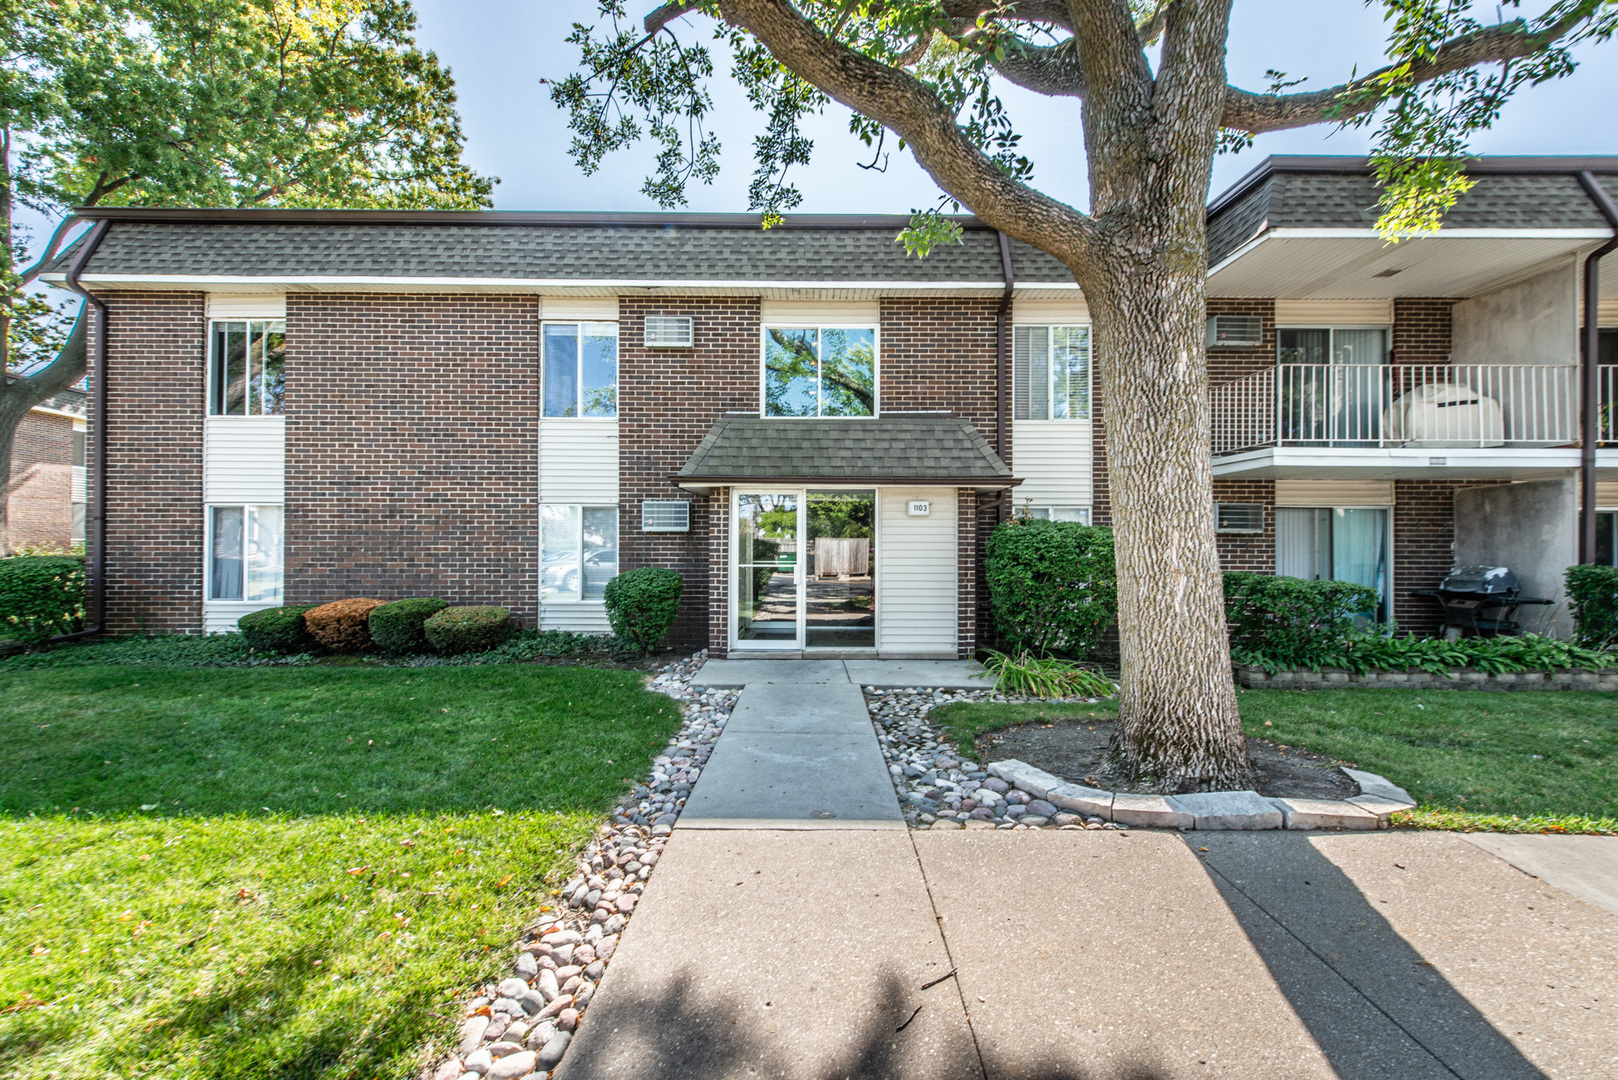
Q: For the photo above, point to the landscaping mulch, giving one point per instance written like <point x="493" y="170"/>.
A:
<point x="1076" y="750"/>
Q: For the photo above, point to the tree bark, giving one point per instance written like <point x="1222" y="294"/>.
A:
<point x="19" y="394"/>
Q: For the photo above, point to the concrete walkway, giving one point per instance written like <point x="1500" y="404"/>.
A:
<point x="883" y="674"/>
<point x="767" y="948"/>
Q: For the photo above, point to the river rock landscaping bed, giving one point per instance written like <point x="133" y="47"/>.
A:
<point x="519" y="1027"/>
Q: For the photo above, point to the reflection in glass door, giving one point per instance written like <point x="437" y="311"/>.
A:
<point x="839" y="586"/>
<point x="766" y="578"/>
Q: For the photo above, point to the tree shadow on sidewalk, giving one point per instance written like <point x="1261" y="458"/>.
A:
<point x="1374" y="1005"/>
<point x="678" y="1032"/>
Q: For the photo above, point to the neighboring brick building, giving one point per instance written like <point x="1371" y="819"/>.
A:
<point x="45" y="502"/>
<point x="814" y="429"/>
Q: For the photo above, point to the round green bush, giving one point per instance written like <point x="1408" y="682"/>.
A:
<point x="1053" y="585"/>
<point x="41" y="596"/>
<point x="397" y="627"/>
<point x="642" y="604"/>
<point x="277" y="629"/>
<point x="467" y="629"/>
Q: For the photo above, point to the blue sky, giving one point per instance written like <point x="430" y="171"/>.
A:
<point x="498" y="51"/>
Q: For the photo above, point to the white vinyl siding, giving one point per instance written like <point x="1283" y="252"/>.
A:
<point x="577" y="616"/>
<point x="578" y="460"/>
<point x="244" y="459"/>
<point x="916" y="576"/>
<point x="1055" y="461"/>
<point x="1333" y="312"/>
<point x="1334" y="493"/>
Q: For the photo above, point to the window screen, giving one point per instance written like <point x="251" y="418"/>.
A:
<point x="1050" y="372"/>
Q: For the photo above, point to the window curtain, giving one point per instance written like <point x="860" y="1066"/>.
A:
<point x="226" y="575"/>
<point x="561" y="370"/>
<point x="1359" y="548"/>
<point x="1295" y="547"/>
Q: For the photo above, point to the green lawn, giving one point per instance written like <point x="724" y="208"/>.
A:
<point x="1525" y="761"/>
<point x="284" y="872"/>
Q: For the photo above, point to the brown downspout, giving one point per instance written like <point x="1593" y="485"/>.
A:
<point x="98" y="511"/>
<point x="1590" y="426"/>
<point x="1002" y="421"/>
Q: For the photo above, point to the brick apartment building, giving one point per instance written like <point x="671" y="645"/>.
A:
<point x="814" y="429"/>
<point x="46" y="499"/>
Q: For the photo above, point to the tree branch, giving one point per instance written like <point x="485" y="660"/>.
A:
<point x="23" y="392"/>
<point x="1052" y="70"/>
<point x="1258" y="113"/>
<point x="905" y="105"/>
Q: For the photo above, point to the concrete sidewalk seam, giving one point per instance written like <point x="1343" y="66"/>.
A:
<point x="1329" y="966"/>
<point x="949" y="955"/>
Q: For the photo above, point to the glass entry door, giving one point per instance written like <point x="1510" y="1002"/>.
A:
<point x="768" y="588"/>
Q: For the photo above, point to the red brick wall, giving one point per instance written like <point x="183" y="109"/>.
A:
<point x="1423" y="549"/>
<point x="1421" y="330"/>
<point x="719" y="572"/>
<point x="411" y="462"/>
<point x="1248" y="551"/>
<point x="667" y="401"/>
<point x="969" y="567"/>
<point x="154" y="461"/>
<point x="39" y="502"/>
<point x="941" y="354"/>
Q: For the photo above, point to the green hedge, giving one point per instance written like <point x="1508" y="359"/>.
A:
<point x="1593" y="591"/>
<point x="1290" y="621"/>
<point x="41" y="596"/>
<point x="642" y="605"/>
<point x="1053" y="585"/>
<point x="467" y="629"/>
<point x="277" y="629"/>
<point x="397" y="627"/>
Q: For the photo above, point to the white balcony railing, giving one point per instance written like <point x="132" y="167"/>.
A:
<point x="1414" y="405"/>
<point x="1607" y="404"/>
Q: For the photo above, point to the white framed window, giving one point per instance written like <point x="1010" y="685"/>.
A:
<point x="1050" y="373"/>
<point x="246" y="367"/>
<point x="244" y="553"/>
<point x="1332" y="344"/>
<point x="578" y="551"/>
<point x="579" y="361"/>
<point x="1080" y="514"/>
<point x="1338" y="543"/>
<point x="819" y="371"/>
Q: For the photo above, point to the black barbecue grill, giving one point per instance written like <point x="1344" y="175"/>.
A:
<point x="1481" y="601"/>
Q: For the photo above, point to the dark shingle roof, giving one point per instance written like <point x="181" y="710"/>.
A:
<point x="549" y="247"/>
<point x="1290" y="194"/>
<point x="932" y="448"/>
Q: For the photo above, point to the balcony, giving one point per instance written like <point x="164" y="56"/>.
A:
<point x="1607" y="403"/>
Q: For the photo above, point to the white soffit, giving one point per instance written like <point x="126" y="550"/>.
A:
<point x="242" y="306"/>
<point x="1333" y="312"/>
<point x="1325" y="264"/>
<point x="827" y="311"/>
<point x="1057" y="312"/>
<point x="580" y="308"/>
<point x="1334" y="493"/>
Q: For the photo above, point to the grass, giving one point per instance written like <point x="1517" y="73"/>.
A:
<point x="287" y="872"/>
<point x="1472" y="760"/>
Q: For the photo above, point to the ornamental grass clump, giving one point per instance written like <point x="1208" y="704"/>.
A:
<point x="1027" y="675"/>
<point x="642" y="604"/>
<point x="344" y="625"/>
<point x="467" y="629"/>
<point x="277" y="629"/>
<point x="41" y="596"/>
<point x="397" y="627"/>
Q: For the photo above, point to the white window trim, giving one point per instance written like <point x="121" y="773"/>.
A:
<point x="617" y="566"/>
<point x="1050" y="508"/>
<point x="578" y="397"/>
<point x="207" y="553"/>
<point x="819" y="327"/>
<point x="210" y="374"/>
<point x="1050" y="371"/>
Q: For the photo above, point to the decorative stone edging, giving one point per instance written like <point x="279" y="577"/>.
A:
<point x="520" y="1027"/>
<point x="1458" y="679"/>
<point x="1370" y="809"/>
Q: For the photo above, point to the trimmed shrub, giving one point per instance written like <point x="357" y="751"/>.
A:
<point x="41" y="596"/>
<point x="343" y="625"/>
<point x="1053" y="585"/>
<point x="1290" y="620"/>
<point x="467" y="629"/>
<point x="396" y="627"/>
<point x="277" y="629"/>
<point x="1594" y="593"/>
<point x="642" y="605"/>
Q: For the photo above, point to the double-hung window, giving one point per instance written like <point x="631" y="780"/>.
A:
<point x="820" y="371"/>
<point x="247" y="367"/>
<point x="581" y="369"/>
<point x="1050" y="372"/>
<point x="578" y="551"/>
<point x="244" y="553"/>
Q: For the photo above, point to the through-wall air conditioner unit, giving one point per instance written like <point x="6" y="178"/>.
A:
<point x="668" y="332"/>
<point x="1238" y="517"/>
<point x="665" y="515"/>
<point x="1235" y="332"/>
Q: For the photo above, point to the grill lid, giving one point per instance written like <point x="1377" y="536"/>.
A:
<point x="1481" y="581"/>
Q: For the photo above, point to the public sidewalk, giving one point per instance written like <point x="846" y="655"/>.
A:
<point x="767" y="948"/>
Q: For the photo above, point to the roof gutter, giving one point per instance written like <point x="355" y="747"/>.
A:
<point x="1589" y="421"/>
<point x="98" y="436"/>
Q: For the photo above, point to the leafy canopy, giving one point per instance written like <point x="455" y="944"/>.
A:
<point x="1445" y="75"/>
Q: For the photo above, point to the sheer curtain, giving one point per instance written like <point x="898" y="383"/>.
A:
<point x="1359" y="550"/>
